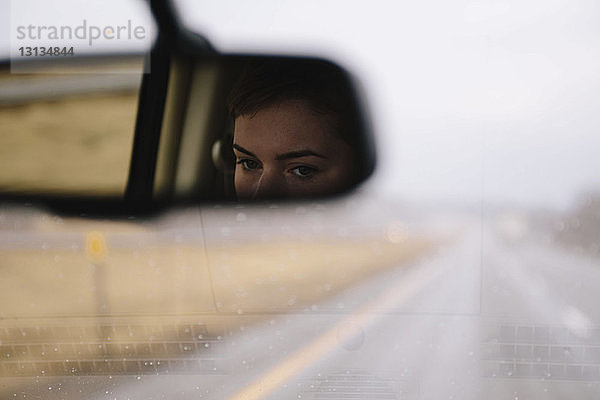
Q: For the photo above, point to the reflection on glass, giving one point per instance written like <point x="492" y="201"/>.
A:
<point x="67" y="133"/>
<point x="294" y="132"/>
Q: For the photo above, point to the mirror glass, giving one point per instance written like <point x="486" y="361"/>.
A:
<point x="69" y="133"/>
<point x="266" y="128"/>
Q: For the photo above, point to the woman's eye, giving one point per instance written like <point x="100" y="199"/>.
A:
<point x="304" y="171"/>
<point x="249" y="164"/>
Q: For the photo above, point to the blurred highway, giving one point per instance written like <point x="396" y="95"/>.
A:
<point x="492" y="306"/>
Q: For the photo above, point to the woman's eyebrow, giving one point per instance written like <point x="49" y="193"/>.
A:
<point x="243" y="150"/>
<point x="297" y="154"/>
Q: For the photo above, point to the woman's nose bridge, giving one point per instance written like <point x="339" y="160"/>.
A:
<point x="271" y="181"/>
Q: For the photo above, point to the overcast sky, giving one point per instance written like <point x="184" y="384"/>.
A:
<point x="467" y="97"/>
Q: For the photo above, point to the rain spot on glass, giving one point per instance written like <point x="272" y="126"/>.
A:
<point x="291" y="300"/>
<point x="240" y="217"/>
<point x="342" y="232"/>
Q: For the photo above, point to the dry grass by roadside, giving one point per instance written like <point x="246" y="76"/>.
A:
<point x="295" y="275"/>
<point x="254" y="277"/>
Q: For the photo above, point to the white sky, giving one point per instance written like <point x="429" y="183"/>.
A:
<point x="467" y="97"/>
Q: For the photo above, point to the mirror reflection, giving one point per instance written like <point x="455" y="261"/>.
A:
<point x="294" y="132"/>
<point x="69" y="132"/>
<point x="272" y="128"/>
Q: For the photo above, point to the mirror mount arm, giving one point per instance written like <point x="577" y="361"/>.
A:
<point x="170" y="26"/>
<point x="165" y="16"/>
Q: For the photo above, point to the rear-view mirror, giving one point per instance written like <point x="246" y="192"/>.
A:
<point x="208" y="128"/>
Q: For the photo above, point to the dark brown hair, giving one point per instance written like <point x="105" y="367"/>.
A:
<point x="323" y="86"/>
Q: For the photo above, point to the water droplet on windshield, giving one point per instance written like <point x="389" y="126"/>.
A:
<point x="240" y="217"/>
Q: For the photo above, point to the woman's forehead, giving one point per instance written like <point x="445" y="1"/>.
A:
<point x="286" y="126"/>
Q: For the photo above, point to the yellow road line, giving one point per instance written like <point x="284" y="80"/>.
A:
<point x="409" y="285"/>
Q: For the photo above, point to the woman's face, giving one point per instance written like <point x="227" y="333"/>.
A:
<point x="289" y="150"/>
